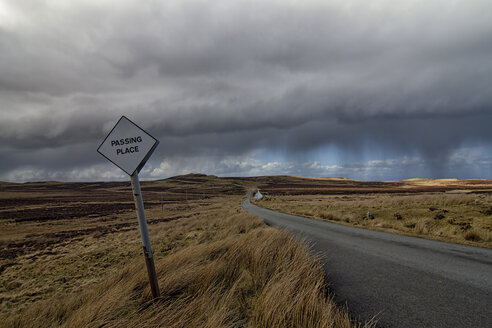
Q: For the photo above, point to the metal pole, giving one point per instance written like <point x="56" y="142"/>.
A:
<point x="144" y="232"/>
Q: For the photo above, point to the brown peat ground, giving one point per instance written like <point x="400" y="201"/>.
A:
<point x="72" y="257"/>
<point x="451" y="210"/>
<point x="71" y="252"/>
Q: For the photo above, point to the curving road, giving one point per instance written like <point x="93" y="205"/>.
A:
<point x="403" y="281"/>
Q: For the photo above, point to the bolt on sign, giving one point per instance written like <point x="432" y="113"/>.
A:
<point x="129" y="147"/>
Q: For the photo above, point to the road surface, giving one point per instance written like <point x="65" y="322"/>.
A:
<point x="403" y="281"/>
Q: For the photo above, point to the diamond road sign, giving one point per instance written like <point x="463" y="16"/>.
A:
<point x="128" y="146"/>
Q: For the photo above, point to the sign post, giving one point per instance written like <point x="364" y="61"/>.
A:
<point x="129" y="147"/>
<point x="142" y="223"/>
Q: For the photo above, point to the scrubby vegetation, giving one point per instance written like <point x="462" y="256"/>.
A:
<point x="455" y="217"/>
<point x="217" y="267"/>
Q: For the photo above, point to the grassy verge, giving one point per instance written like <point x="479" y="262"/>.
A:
<point x="217" y="267"/>
<point x="454" y="217"/>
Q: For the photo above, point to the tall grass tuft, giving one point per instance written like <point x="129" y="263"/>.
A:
<point x="249" y="275"/>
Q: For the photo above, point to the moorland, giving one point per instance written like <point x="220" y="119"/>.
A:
<point x="451" y="210"/>
<point x="71" y="253"/>
<point x="72" y="257"/>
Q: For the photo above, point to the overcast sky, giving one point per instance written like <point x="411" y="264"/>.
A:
<point x="372" y="90"/>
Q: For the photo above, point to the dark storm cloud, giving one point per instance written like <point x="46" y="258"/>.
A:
<point x="231" y="77"/>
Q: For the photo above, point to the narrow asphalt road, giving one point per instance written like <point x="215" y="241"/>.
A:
<point x="403" y="281"/>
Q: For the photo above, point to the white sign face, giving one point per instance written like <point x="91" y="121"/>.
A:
<point x="128" y="146"/>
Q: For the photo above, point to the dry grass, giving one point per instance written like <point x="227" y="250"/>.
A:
<point x="464" y="218"/>
<point x="217" y="267"/>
